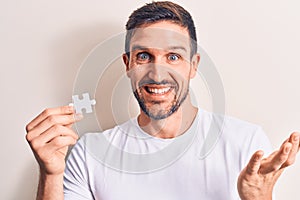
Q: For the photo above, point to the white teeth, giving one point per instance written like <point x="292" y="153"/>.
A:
<point x="159" y="91"/>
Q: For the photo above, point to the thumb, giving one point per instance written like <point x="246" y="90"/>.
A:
<point x="254" y="163"/>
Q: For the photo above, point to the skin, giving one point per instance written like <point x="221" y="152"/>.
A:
<point x="160" y="52"/>
<point x="49" y="136"/>
<point x="153" y="59"/>
<point x="257" y="179"/>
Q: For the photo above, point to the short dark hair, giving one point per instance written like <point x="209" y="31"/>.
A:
<point x="161" y="11"/>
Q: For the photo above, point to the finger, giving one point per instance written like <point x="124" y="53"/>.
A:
<point x="272" y="155"/>
<point x="294" y="140"/>
<point x="55" y="145"/>
<point x="69" y="126"/>
<point x="50" y="134"/>
<point x="51" y="121"/>
<point x="58" y="143"/>
<point x="56" y="131"/>
<point x="277" y="161"/>
<point x="282" y="155"/>
<point x="64" y="110"/>
<point x="254" y="163"/>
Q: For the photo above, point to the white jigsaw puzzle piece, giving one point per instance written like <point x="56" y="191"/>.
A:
<point x="83" y="104"/>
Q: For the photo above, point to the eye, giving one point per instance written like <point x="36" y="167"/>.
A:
<point x="143" y="56"/>
<point x="173" y="57"/>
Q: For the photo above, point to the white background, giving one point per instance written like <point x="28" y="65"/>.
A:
<point x="254" y="44"/>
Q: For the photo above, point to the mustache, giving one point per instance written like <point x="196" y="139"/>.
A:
<point x="150" y="81"/>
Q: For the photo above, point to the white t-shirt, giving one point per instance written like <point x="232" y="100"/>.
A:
<point x="126" y="163"/>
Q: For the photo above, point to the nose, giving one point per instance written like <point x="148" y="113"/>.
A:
<point x="157" y="71"/>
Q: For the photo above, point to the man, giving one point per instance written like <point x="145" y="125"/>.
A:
<point x="161" y="58"/>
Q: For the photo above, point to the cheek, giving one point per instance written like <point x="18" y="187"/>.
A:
<point x="139" y="70"/>
<point x="132" y="69"/>
<point x="183" y="73"/>
<point x="136" y="74"/>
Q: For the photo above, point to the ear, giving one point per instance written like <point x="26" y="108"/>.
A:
<point x="126" y="62"/>
<point x="194" y="65"/>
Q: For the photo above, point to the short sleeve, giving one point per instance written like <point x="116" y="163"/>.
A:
<point x="76" y="186"/>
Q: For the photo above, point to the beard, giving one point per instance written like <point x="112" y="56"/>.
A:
<point x="160" y="113"/>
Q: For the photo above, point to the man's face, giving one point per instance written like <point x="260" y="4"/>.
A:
<point x="160" y="67"/>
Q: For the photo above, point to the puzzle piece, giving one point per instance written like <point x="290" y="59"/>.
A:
<point x="83" y="104"/>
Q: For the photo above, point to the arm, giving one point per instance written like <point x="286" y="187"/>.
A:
<point x="50" y="187"/>
<point x="257" y="179"/>
<point x="49" y="136"/>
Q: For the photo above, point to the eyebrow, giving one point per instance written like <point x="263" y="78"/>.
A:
<point x="140" y="47"/>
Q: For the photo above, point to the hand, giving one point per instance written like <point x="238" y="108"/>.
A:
<point x="258" y="178"/>
<point x="49" y="136"/>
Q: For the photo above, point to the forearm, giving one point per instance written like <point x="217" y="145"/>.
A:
<point x="50" y="187"/>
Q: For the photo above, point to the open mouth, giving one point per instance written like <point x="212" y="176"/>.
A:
<point x="157" y="90"/>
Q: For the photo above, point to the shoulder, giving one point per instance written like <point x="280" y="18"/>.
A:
<point x="230" y="127"/>
<point x="235" y="132"/>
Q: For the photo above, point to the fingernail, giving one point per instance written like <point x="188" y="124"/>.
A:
<point x="257" y="158"/>
<point x="71" y="107"/>
<point x="296" y="138"/>
<point x="287" y="150"/>
<point x="78" y="116"/>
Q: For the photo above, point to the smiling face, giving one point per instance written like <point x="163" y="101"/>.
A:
<point x="160" y="67"/>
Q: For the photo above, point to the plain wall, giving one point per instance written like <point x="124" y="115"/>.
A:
<point x="254" y="45"/>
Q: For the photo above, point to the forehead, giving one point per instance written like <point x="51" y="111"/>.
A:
<point x="161" y="35"/>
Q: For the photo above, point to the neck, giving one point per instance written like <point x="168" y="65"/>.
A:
<point x="172" y="126"/>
